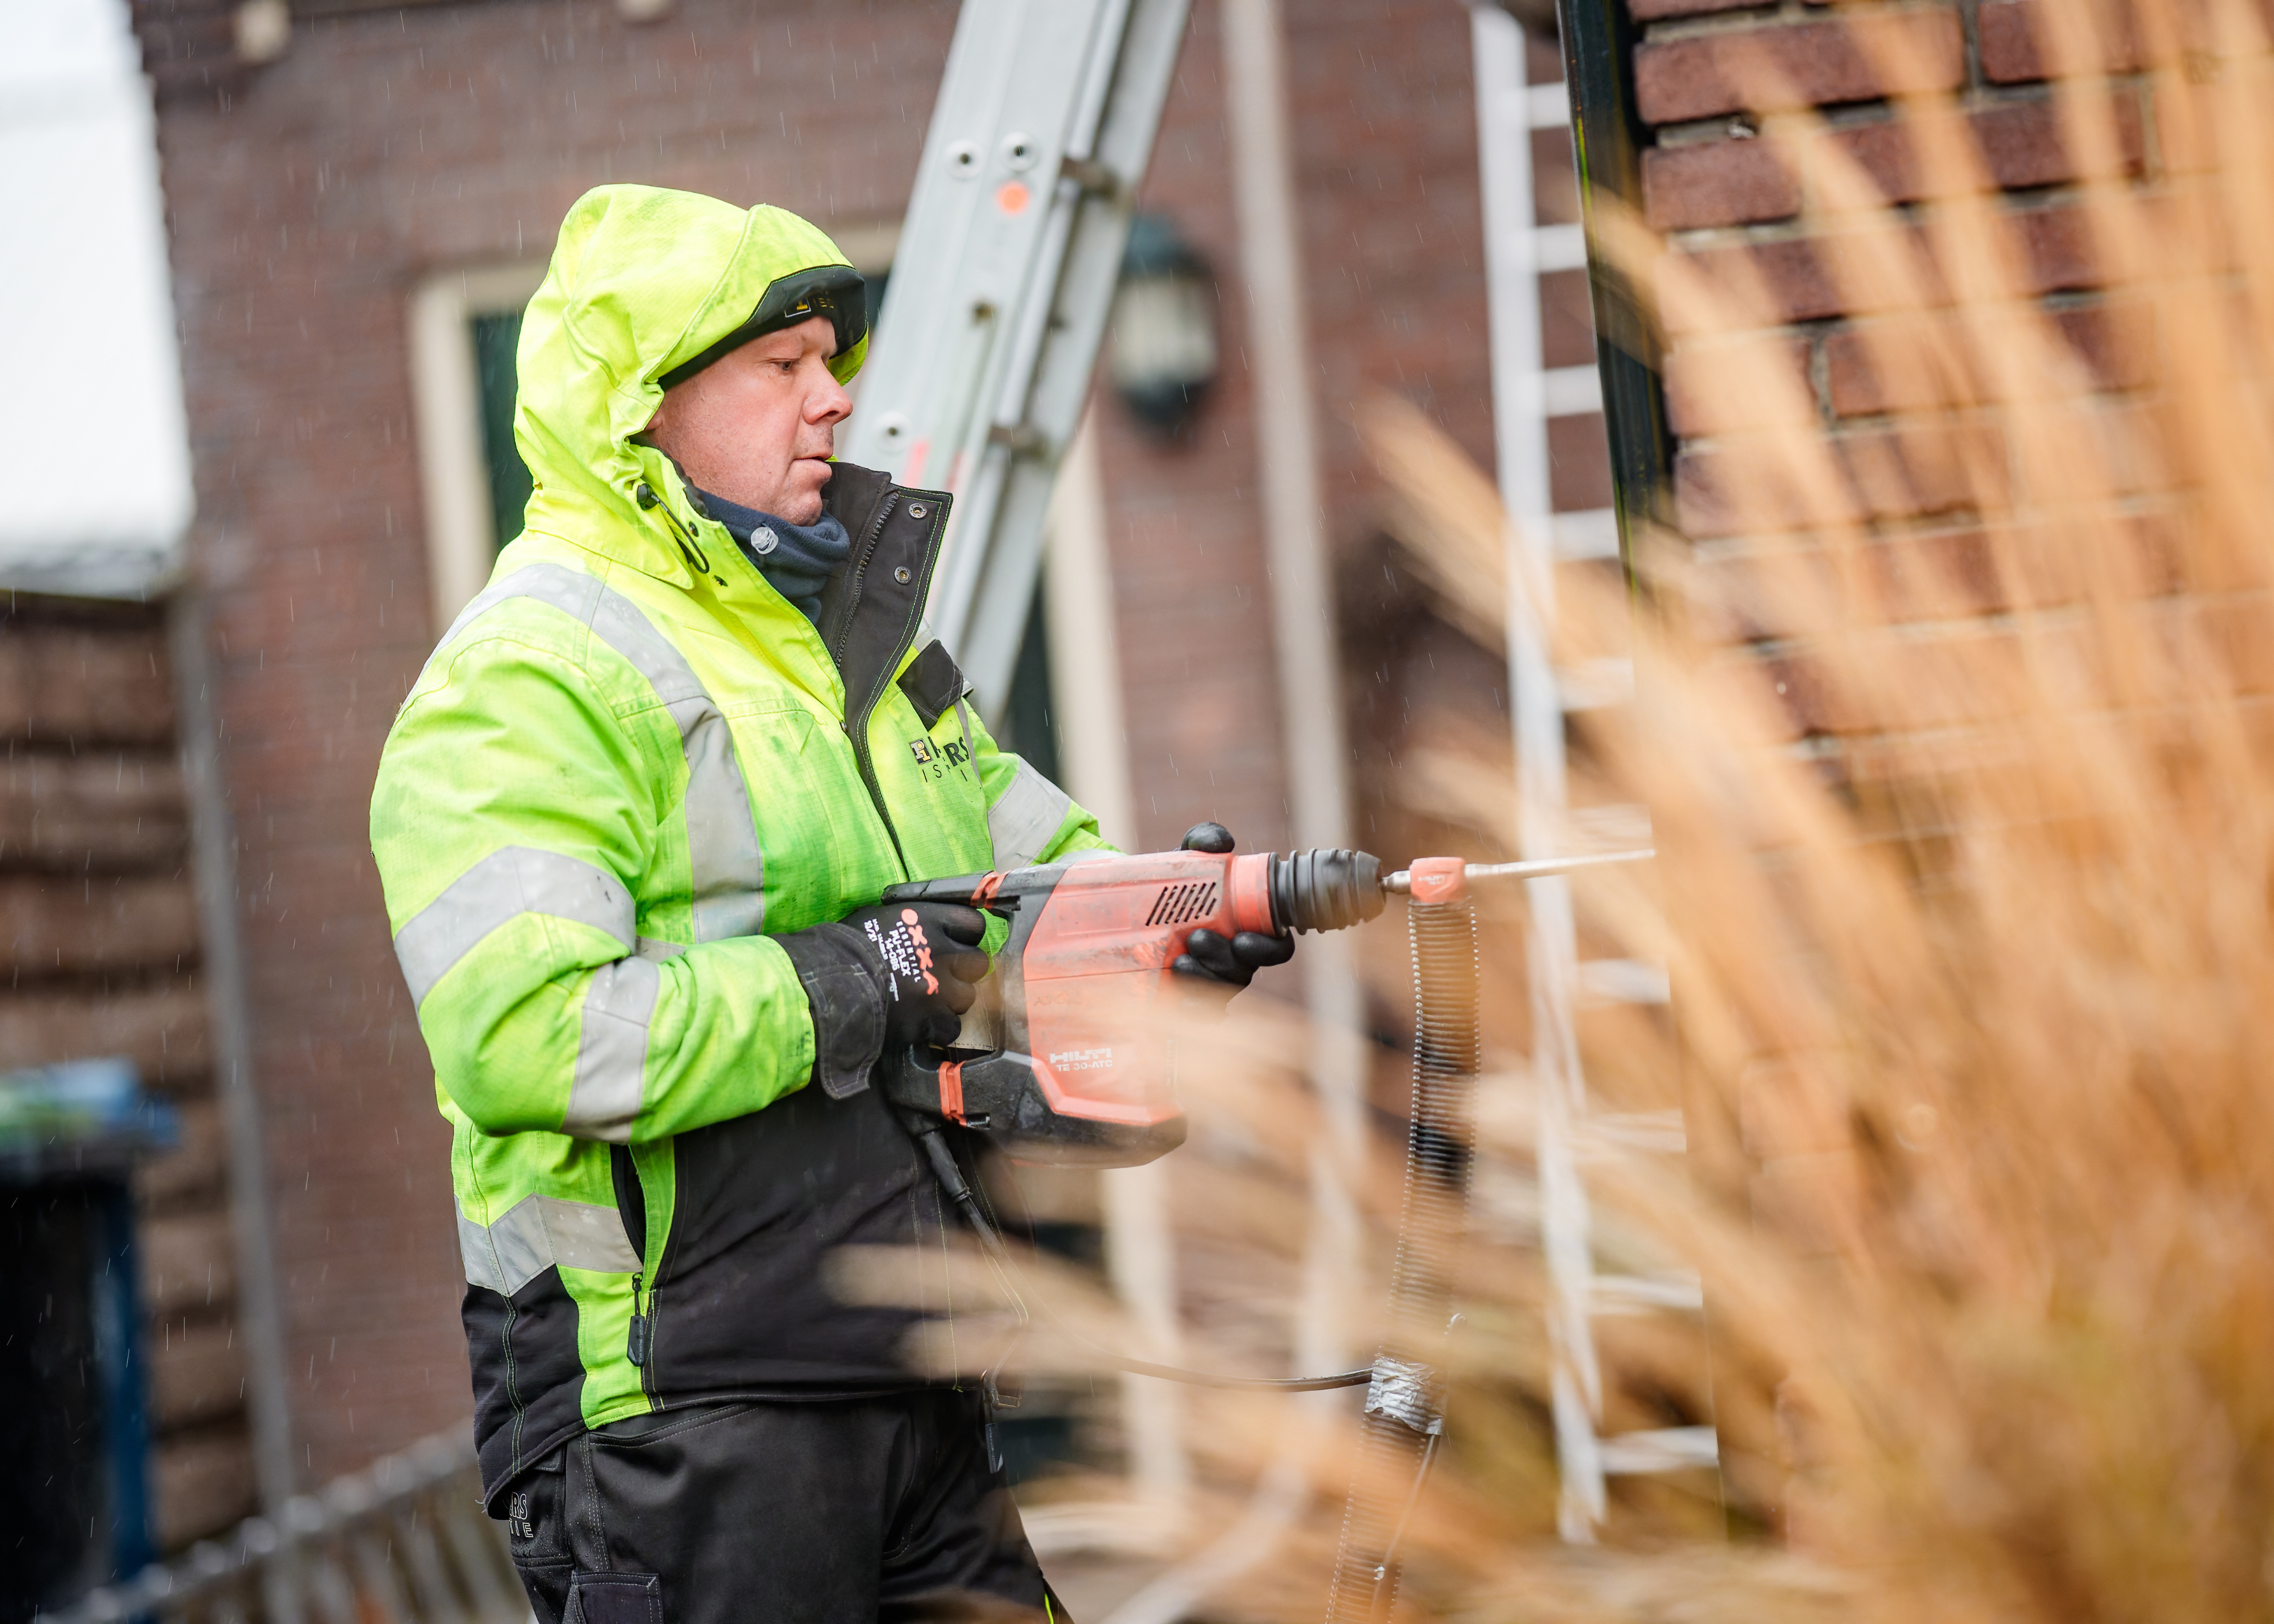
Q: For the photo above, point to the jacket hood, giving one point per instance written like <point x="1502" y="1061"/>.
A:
<point x="643" y="279"/>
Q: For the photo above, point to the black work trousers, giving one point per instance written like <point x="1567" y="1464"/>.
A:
<point x="832" y="1512"/>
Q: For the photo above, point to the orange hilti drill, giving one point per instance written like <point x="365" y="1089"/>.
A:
<point x="1080" y="1067"/>
<point x="1081" y="1071"/>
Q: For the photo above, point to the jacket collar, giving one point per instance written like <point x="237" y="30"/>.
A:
<point x="650" y="524"/>
<point x="871" y="609"/>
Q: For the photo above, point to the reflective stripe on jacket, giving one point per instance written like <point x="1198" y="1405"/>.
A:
<point x="627" y="764"/>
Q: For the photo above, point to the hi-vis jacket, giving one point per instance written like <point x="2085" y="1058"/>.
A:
<point x="628" y="766"/>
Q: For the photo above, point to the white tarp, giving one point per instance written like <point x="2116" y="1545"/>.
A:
<point x="91" y="413"/>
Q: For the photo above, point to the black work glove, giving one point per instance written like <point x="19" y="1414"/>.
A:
<point x="1208" y="957"/>
<point x="886" y="977"/>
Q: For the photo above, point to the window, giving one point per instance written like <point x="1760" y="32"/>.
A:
<point x="463" y="327"/>
<point x="497" y="337"/>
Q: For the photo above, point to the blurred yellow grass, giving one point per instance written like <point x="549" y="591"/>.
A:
<point x="1966" y="900"/>
<point x="1968" y="837"/>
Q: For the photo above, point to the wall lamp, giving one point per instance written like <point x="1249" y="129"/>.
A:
<point x="1164" y="342"/>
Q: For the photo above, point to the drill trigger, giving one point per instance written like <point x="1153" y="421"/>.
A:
<point x="951" y="1090"/>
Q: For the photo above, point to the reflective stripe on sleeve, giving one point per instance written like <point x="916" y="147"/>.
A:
<point x="511" y="880"/>
<point x="538" y="1231"/>
<point x="1026" y="819"/>
<point x="728" y="868"/>
<point x="612" y="1057"/>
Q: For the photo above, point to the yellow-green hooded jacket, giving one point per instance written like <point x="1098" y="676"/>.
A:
<point x="628" y="768"/>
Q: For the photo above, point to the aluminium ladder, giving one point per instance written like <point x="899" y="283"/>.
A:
<point x="1526" y="396"/>
<point x="984" y="353"/>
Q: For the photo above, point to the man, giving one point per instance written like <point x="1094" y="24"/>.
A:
<point x="633" y="823"/>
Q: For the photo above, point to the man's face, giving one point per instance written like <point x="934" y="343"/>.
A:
<point x="759" y="426"/>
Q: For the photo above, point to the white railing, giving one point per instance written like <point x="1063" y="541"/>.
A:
<point x="404" y="1541"/>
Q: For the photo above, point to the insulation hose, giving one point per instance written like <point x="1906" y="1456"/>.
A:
<point x="1404" y="1404"/>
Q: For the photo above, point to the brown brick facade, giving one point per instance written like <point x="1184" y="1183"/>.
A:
<point x="309" y="198"/>
<point x="380" y="148"/>
<point x="1786" y="210"/>
<point x="105" y="959"/>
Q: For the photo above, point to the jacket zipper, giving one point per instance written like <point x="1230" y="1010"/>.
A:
<point x="856" y="728"/>
<point x="639" y="1340"/>
<point x="636" y="1344"/>
<point x="689" y="549"/>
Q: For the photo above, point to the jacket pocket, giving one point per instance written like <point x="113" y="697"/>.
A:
<point x="932" y="682"/>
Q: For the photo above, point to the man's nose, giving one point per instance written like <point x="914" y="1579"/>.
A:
<point x="828" y="405"/>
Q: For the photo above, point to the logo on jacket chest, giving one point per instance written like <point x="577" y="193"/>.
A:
<point x="937" y="759"/>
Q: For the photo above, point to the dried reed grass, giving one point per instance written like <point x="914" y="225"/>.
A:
<point x="1966" y="902"/>
<point x="1969" y="837"/>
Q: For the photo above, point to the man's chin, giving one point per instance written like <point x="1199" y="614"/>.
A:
<point x="802" y="502"/>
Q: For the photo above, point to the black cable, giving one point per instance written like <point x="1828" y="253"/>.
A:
<point x="944" y="1169"/>
<point x="1203" y="1378"/>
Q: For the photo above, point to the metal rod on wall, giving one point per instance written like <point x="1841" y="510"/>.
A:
<point x="259" y="1321"/>
<point x="1302" y="615"/>
<point x="1094" y="744"/>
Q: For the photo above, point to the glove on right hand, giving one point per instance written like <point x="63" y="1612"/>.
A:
<point x="887" y="976"/>
<point x="1210" y="961"/>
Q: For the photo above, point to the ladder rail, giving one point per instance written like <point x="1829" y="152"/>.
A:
<point x="1089" y="271"/>
<point x="1513" y="259"/>
<point x="984" y="450"/>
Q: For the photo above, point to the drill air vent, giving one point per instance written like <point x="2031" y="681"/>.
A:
<point x="1189" y="900"/>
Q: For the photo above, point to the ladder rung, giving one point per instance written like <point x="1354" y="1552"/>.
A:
<point x="1610" y="826"/>
<point x="1546" y="248"/>
<point x="1571" y="391"/>
<point x="1547" y="107"/>
<point x="1634" y="1294"/>
<point x="1623" y="980"/>
<point x="1668" y="1448"/>
<point x="1563" y="392"/>
<point x="1591" y="533"/>
<point x="1655" y="1131"/>
<point x="1595" y="683"/>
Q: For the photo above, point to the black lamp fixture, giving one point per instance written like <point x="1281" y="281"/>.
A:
<point x="1164" y="348"/>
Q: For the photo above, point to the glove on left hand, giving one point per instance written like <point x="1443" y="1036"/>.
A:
<point x="886" y="977"/>
<point x="1208" y="957"/>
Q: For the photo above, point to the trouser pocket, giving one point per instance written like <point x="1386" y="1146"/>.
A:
<point x="535" y="1514"/>
<point x="536" y="1518"/>
<point x="614" y="1598"/>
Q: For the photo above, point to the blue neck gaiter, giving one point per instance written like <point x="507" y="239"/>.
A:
<point x="797" y="560"/>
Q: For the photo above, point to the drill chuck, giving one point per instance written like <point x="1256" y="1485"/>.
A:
<point x="1325" y="888"/>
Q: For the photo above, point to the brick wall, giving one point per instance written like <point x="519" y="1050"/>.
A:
<point x="305" y="204"/>
<point x="1792" y="177"/>
<point x="1777" y="131"/>
<point x="100" y="927"/>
